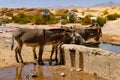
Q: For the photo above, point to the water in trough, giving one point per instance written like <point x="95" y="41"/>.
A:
<point x="110" y="47"/>
<point x="106" y="46"/>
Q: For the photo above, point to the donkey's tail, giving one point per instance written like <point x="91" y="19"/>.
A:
<point x="12" y="43"/>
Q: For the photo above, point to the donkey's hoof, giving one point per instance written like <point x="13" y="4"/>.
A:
<point x="40" y="63"/>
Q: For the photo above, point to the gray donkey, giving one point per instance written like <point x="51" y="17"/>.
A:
<point x="40" y="37"/>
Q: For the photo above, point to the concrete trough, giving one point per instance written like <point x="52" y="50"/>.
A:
<point x="92" y="60"/>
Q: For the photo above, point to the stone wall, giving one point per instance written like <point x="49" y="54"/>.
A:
<point x="93" y="60"/>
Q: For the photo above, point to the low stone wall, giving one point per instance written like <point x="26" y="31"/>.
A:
<point x="93" y="60"/>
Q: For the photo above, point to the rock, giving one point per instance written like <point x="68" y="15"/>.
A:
<point x="62" y="74"/>
<point x="79" y="69"/>
<point x="71" y="69"/>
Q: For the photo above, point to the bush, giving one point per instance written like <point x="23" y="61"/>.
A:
<point x="101" y="21"/>
<point x="86" y="20"/>
<point x="117" y="15"/>
<point x="53" y="20"/>
<point x="72" y="19"/>
<point x="64" y="21"/>
<point x="112" y="16"/>
<point x="36" y="20"/>
<point x="64" y="16"/>
<point x="21" y="18"/>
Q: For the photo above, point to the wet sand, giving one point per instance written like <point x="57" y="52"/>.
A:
<point x="34" y="71"/>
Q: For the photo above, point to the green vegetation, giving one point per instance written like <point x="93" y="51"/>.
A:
<point x="41" y="17"/>
<point x="5" y="20"/>
<point x="64" y="16"/>
<point x="21" y="18"/>
<point x="64" y="21"/>
<point x="101" y="21"/>
<point x="53" y="20"/>
<point x="113" y="16"/>
<point x="72" y="19"/>
<point x="86" y="20"/>
<point x="35" y="20"/>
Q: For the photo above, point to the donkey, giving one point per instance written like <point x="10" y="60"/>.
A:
<point x="87" y="32"/>
<point x="39" y="37"/>
<point x="90" y="32"/>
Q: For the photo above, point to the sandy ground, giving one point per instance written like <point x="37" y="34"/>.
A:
<point x="111" y="32"/>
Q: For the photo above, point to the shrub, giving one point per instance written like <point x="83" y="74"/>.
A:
<point x="36" y="20"/>
<point x="45" y="18"/>
<point x="21" y="18"/>
<point x="53" y="20"/>
<point x="86" y="20"/>
<point x="112" y="16"/>
<point x="117" y="15"/>
<point x="72" y="18"/>
<point x="64" y="21"/>
<point x="101" y="21"/>
<point x="64" y="16"/>
<point x="5" y="20"/>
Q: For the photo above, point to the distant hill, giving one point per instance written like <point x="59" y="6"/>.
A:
<point x="68" y="6"/>
<point x="108" y="4"/>
<point x="111" y="3"/>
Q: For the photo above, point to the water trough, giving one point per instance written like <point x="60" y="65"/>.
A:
<point x="97" y="61"/>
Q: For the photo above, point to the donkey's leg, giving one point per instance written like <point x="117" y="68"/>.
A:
<point x="34" y="53"/>
<point x="40" y="55"/>
<point x="61" y="55"/>
<point x="16" y="54"/>
<point x="50" y="61"/>
<point x="56" y="53"/>
<point x="19" y="51"/>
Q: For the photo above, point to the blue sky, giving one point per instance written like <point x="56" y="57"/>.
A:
<point x="50" y="3"/>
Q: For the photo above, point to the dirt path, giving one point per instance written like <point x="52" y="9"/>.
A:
<point x="111" y="32"/>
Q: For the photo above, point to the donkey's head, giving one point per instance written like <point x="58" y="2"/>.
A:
<point x="73" y="38"/>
